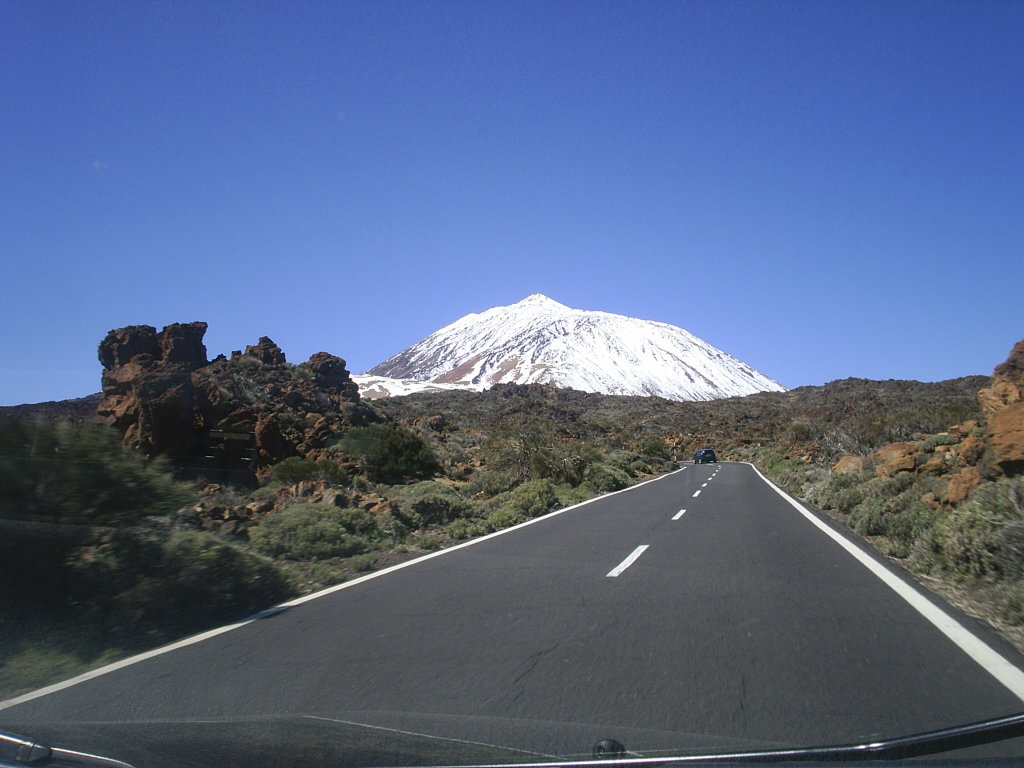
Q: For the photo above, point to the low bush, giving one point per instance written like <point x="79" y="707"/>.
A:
<point x="428" y="503"/>
<point x="141" y="590"/>
<point x="389" y="453"/>
<point x="929" y="444"/>
<point x="491" y="482"/>
<point x="654" y="445"/>
<point x="840" y="493"/>
<point x="626" y="461"/>
<point x="505" y="517"/>
<point x="982" y="537"/>
<point x="80" y="473"/>
<point x="314" y="532"/>
<point x="604" y="478"/>
<point x="532" y="498"/>
<point x="295" y="470"/>
<point x="467" y="528"/>
<point x="568" y="495"/>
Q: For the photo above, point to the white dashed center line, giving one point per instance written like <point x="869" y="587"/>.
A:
<point x="696" y="493"/>
<point x="633" y="557"/>
<point x="679" y="514"/>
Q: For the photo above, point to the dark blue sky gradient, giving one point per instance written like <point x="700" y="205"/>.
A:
<point x="820" y="189"/>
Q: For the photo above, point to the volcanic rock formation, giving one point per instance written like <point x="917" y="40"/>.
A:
<point x="238" y="414"/>
<point x="1002" y="405"/>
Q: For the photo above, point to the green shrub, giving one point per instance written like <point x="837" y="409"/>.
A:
<point x="429" y="543"/>
<point x="467" y="528"/>
<point x="361" y="563"/>
<point x="627" y="461"/>
<point x="906" y="520"/>
<point x="605" y="479"/>
<point x="654" y="445"/>
<point x="35" y="667"/>
<point x="491" y="482"/>
<point x="295" y="470"/>
<point x="1011" y="603"/>
<point x="144" y="590"/>
<point x="639" y="467"/>
<point x="842" y="492"/>
<point x="983" y="535"/>
<point x="535" y="454"/>
<point x="879" y="496"/>
<point x="929" y="444"/>
<point x="568" y="495"/>
<point x="313" y="532"/>
<point x="80" y="473"/>
<point x="429" y="503"/>
<point x="532" y="498"/>
<point x="505" y="518"/>
<point x="389" y="453"/>
<point x="883" y="506"/>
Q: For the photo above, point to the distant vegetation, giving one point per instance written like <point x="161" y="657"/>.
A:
<point x="103" y="552"/>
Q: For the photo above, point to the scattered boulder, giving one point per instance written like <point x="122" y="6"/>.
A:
<point x="895" y="458"/>
<point x="970" y="451"/>
<point x="849" y="464"/>
<point x="960" y="431"/>
<point x="1006" y="439"/>
<point x="960" y="485"/>
<point x="936" y="464"/>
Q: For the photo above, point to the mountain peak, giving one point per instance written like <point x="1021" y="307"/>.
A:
<point x="539" y="340"/>
<point x="539" y="300"/>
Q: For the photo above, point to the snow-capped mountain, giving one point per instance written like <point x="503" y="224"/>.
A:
<point x="540" y="340"/>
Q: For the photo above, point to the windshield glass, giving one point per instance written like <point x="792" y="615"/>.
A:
<point x="357" y="404"/>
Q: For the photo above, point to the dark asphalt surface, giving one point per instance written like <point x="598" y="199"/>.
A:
<point x="740" y="626"/>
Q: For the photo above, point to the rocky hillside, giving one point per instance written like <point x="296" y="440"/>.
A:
<point x="961" y="457"/>
<point x="947" y="503"/>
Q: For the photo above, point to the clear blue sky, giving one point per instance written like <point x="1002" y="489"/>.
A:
<point x="820" y="189"/>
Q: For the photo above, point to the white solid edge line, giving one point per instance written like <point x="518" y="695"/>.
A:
<point x="633" y="557"/>
<point x="113" y="667"/>
<point x="988" y="658"/>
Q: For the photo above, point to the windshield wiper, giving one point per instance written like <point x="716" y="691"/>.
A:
<point x="20" y="751"/>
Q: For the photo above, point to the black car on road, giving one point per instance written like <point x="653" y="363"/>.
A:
<point x="704" y="456"/>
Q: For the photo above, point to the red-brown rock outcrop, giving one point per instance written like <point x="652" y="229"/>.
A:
<point x="1002" y="404"/>
<point x="253" y="410"/>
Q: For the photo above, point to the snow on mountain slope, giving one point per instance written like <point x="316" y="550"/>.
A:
<point x="540" y="340"/>
<point x="373" y="387"/>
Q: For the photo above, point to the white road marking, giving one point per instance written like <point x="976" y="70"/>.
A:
<point x="679" y="514"/>
<point x="696" y="493"/>
<point x="704" y="486"/>
<point x="633" y="557"/>
<point x="989" y="659"/>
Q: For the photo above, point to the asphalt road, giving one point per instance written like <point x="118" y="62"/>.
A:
<point x="736" y="623"/>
